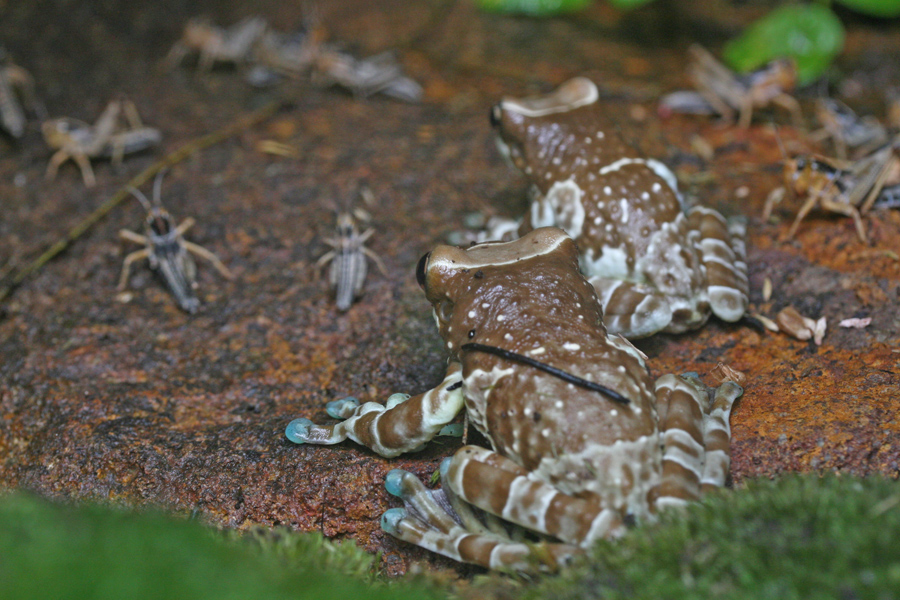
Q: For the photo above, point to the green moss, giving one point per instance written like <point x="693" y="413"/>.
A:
<point x="799" y="537"/>
<point x="93" y="552"/>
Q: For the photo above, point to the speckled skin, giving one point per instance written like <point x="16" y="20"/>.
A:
<point x="655" y="266"/>
<point x="567" y="461"/>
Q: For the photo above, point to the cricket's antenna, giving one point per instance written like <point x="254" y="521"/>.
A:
<point x="140" y="197"/>
<point x="157" y="186"/>
<point x="780" y="142"/>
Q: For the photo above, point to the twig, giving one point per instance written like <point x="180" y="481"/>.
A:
<point x="137" y="181"/>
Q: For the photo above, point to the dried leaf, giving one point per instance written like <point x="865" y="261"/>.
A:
<point x="722" y="373"/>
<point x="793" y="323"/>
<point x="767" y="290"/>
<point x="856" y="323"/>
<point x="819" y="331"/>
<point x="767" y="322"/>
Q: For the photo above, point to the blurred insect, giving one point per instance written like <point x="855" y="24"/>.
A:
<point x="848" y="188"/>
<point x="167" y="250"/>
<point x="364" y="77"/>
<point x="730" y="94"/>
<point x="15" y="83"/>
<point x="888" y="198"/>
<point x="348" y="260"/>
<point x="217" y="44"/>
<point x="107" y="137"/>
<point x="846" y="129"/>
<point x="294" y="53"/>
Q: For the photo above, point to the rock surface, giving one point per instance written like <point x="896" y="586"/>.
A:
<point x="138" y="402"/>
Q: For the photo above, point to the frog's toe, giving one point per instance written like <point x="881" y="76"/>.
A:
<point x="343" y="408"/>
<point x="430" y="507"/>
<point x="393" y="482"/>
<point x="298" y="430"/>
<point x="390" y="520"/>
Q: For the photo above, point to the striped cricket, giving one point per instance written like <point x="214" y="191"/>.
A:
<point x="850" y="188"/>
<point x="109" y="137"/>
<point x="168" y="253"/>
<point x="348" y="260"/>
<point x="15" y="84"/>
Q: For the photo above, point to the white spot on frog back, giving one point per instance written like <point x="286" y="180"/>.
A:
<point x="612" y="263"/>
<point x="561" y="207"/>
<point x="572" y="346"/>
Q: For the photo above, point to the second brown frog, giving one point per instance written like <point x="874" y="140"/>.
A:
<point x="656" y="266"/>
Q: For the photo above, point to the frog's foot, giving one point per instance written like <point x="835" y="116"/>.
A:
<point x="631" y="309"/>
<point x="439" y="521"/>
<point x="723" y="253"/>
<point x="695" y="434"/>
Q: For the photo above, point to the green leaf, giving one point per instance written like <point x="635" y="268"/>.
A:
<point x="533" y="7"/>
<point x="809" y="33"/>
<point x="628" y="4"/>
<point x="876" y="8"/>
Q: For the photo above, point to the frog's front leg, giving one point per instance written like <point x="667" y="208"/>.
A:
<point x="402" y="425"/>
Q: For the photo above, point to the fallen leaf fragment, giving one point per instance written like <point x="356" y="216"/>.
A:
<point x="722" y="373"/>
<point x="856" y="323"/>
<point x="794" y="324"/>
<point x="819" y="331"/>
<point x="767" y="322"/>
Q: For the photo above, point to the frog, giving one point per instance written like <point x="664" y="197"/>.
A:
<point x="657" y="265"/>
<point x="583" y="442"/>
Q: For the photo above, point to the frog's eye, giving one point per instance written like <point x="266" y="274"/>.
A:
<point x="420" y="269"/>
<point x="496" y="114"/>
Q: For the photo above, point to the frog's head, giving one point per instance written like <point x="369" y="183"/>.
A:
<point x="500" y="286"/>
<point x="533" y="131"/>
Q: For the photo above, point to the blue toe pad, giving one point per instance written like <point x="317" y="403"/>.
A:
<point x="297" y="430"/>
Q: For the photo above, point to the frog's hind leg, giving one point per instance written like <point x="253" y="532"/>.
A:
<point x="716" y="431"/>
<point x="439" y="521"/>
<point x="499" y="486"/>
<point x="722" y="250"/>
<point x="631" y="309"/>
<point x="695" y="437"/>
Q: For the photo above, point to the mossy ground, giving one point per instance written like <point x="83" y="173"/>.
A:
<point x="798" y="537"/>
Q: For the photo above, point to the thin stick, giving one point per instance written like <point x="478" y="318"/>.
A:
<point x="564" y="375"/>
<point x="137" y="181"/>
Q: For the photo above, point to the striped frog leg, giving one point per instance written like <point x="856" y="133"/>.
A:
<point x="695" y="437"/>
<point x="401" y="425"/>
<point x="631" y="308"/>
<point x="723" y="254"/>
<point x="439" y="521"/>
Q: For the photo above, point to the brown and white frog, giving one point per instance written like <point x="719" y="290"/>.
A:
<point x="655" y="266"/>
<point x="583" y="440"/>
